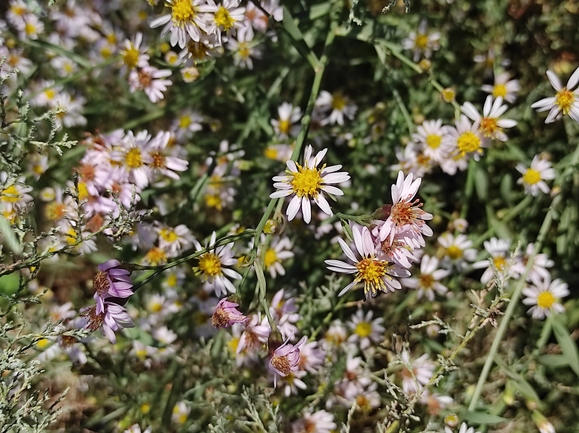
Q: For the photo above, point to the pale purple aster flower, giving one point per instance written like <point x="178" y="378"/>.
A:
<point x="114" y="318"/>
<point x="226" y="314"/>
<point x="255" y="334"/>
<point x="285" y="359"/>
<point x="111" y="280"/>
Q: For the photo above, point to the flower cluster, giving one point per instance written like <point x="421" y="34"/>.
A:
<point x="385" y="251"/>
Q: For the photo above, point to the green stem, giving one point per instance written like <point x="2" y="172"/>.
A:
<point x="469" y="188"/>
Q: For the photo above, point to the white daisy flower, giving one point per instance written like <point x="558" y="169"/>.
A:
<point x="503" y="87"/>
<point x="134" y="53"/>
<point x="540" y="263"/>
<point x="226" y="17"/>
<point x="244" y="48"/>
<point x="544" y="296"/>
<point x="457" y="251"/>
<point x="499" y="263"/>
<point x="185" y="20"/>
<point x="432" y="135"/>
<point x="490" y="122"/>
<point x="273" y="256"/>
<point x="421" y="42"/>
<point x="288" y="116"/>
<point x="566" y="100"/>
<point x="212" y="266"/>
<point x="366" y="331"/>
<point x="308" y="183"/>
<point x="377" y="275"/>
<point x="174" y="240"/>
<point x="317" y="422"/>
<point x="427" y="282"/>
<point x="535" y="176"/>
<point x="466" y="138"/>
<point x="338" y="105"/>
<point x="422" y="370"/>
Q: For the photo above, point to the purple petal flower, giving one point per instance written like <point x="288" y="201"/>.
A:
<point x="226" y="314"/>
<point x="111" y="281"/>
<point x="285" y="359"/>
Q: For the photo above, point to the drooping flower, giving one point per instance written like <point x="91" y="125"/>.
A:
<point x="112" y="280"/>
<point x="566" y="100"/>
<point x="226" y="314"/>
<point x="308" y="182"/>
<point x="112" y="319"/>
<point x="285" y="359"/>
<point x="377" y="275"/>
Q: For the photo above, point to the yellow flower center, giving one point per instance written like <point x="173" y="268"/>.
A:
<point x="50" y="93"/>
<point x="454" y="252"/>
<point x="30" y="29"/>
<point x="155" y="306"/>
<point x="71" y="236"/>
<point x="426" y="281"/>
<point x="10" y="194"/>
<point x="468" y="142"/>
<point x="338" y="102"/>
<point x="83" y="191"/>
<point x="531" y="176"/>
<point x="55" y="211"/>
<point x="213" y="201"/>
<point x="106" y="52"/>
<point x="545" y="300"/>
<point x="224" y="19"/>
<point x="184" y="122"/>
<point x="156" y="256"/>
<point x="210" y="265"/>
<point x="284" y="126"/>
<point x="500" y="90"/>
<point x="421" y="42"/>
<point x="433" y="141"/>
<point x="270" y="258"/>
<point x="282" y="364"/>
<point x="145" y="408"/>
<point x="564" y="100"/>
<point x="42" y="343"/>
<point x="171" y="280"/>
<point x="447" y="95"/>
<point x="131" y="57"/>
<point x="243" y="50"/>
<point x="306" y="182"/>
<point x="372" y="271"/>
<point x="270" y="152"/>
<point x="363" y="329"/>
<point x="232" y="345"/>
<point x="182" y="12"/>
<point x="168" y="235"/>
<point x="500" y="262"/>
<point x="134" y="158"/>
<point x="489" y="126"/>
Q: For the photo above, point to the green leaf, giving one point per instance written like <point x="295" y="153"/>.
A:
<point x="481" y="183"/>
<point x="567" y="344"/>
<point x="318" y="11"/>
<point x="9" y="235"/>
<point x="523" y="386"/>
<point x="482" y="418"/>
<point x="553" y="360"/>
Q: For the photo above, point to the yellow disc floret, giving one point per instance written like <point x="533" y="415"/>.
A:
<point x="545" y="300"/>
<point x="531" y="176"/>
<point x="306" y="182"/>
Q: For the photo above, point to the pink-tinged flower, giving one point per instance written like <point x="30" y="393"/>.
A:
<point x="377" y="275"/>
<point x="254" y="335"/>
<point x="405" y="215"/>
<point x="565" y="102"/>
<point x="491" y="124"/>
<point x="285" y="359"/>
<point x="317" y="422"/>
<point x="111" y="280"/>
<point x="151" y="80"/>
<point x="226" y="314"/>
<point x="112" y="319"/>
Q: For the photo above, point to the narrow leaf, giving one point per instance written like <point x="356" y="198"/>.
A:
<point x="483" y="418"/>
<point x="567" y="344"/>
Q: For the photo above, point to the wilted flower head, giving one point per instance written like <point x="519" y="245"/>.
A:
<point x="285" y="359"/>
<point x="226" y="314"/>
